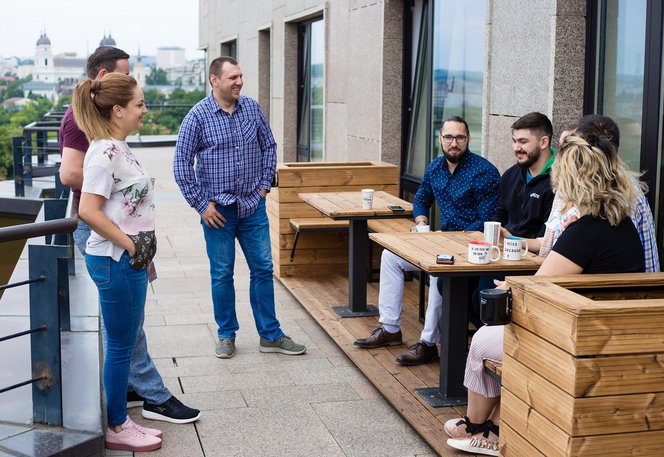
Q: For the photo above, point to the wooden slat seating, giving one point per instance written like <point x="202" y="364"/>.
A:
<point x="493" y="369"/>
<point x="318" y="251"/>
<point x="314" y="225"/>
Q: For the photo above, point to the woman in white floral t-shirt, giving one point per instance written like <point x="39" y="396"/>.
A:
<point x="117" y="203"/>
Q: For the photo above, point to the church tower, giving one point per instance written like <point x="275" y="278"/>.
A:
<point x="44" y="68"/>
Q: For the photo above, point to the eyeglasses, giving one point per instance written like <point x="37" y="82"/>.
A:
<point x="460" y="139"/>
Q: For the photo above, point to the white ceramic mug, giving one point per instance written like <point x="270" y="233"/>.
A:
<point x="492" y="232"/>
<point x="422" y="228"/>
<point x="512" y="248"/>
<point x="480" y="252"/>
<point x="367" y="198"/>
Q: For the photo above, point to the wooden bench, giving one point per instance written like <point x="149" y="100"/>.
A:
<point x="314" y="225"/>
<point x="493" y="369"/>
<point x="324" y="250"/>
<point x="325" y="224"/>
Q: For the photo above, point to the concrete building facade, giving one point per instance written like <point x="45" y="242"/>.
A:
<point x="564" y="58"/>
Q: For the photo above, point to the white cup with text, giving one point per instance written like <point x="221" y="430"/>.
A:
<point x="514" y="248"/>
<point x="479" y="252"/>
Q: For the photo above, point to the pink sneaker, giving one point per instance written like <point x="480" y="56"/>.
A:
<point x="129" y="423"/>
<point x="131" y="439"/>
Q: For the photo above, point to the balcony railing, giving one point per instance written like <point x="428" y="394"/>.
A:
<point x="48" y="280"/>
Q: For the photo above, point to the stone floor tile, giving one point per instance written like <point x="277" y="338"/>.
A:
<point x="188" y="318"/>
<point x="291" y="364"/>
<point x="292" y="430"/>
<point x="191" y="366"/>
<point x="370" y="428"/>
<point x="275" y="397"/>
<point x="179" y="341"/>
<point x="331" y="375"/>
<point x="235" y="381"/>
<point x="366" y="390"/>
<point x="207" y="401"/>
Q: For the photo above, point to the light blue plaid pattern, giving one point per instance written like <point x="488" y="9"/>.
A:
<point x="225" y="158"/>
<point x="645" y="225"/>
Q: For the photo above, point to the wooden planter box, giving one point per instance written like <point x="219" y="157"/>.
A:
<point x="318" y="252"/>
<point x="583" y="373"/>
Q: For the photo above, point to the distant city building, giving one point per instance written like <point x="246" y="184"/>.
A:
<point x="107" y="41"/>
<point x="169" y="57"/>
<point x="65" y="68"/>
<point x="15" y="102"/>
<point x="8" y="65"/>
<point x="40" y="88"/>
<point x="191" y="73"/>
<point x="139" y="71"/>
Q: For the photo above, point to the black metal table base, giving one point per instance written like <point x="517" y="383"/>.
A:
<point x="435" y="399"/>
<point x="345" y="311"/>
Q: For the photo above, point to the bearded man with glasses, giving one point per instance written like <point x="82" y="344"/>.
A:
<point x="465" y="186"/>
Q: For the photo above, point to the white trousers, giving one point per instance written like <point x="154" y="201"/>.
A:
<point x="390" y="296"/>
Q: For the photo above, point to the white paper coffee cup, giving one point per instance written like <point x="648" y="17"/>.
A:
<point x="367" y="198"/>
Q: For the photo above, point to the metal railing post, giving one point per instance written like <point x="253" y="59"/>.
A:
<point x="19" y="179"/>
<point x="42" y="152"/>
<point x="45" y="346"/>
<point x="54" y="208"/>
<point x="27" y="157"/>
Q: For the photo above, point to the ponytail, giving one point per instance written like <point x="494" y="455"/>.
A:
<point x="93" y="102"/>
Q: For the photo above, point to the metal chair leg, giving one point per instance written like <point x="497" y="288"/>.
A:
<point x="292" y="252"/>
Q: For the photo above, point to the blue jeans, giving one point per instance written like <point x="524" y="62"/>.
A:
<point x="122" y="292"/>
<point x="144" y="378"/>
<point x="253" y="233"/>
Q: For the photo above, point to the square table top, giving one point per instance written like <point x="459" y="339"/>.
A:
<point x="348" y="205"/>
<point x="421" y="249"/>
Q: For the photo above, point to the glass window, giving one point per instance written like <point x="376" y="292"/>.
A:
<point x="311" y="76"/>
<point x="458" y="66"/>
<point x="229" y="48"/>
<point x="448" y="74"/>
<point x="620" y="71"/>
<point x="418" y="128"/>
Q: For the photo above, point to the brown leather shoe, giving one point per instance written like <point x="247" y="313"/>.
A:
<point x="379" y="338"/>
<point x="419" y="353"/>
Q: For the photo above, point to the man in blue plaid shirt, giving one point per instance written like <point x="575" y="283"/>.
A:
<point x="224" y="162"/>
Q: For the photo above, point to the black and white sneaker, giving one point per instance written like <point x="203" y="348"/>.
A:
<point x="172" y="410"/>
<point x="134" y="400"/>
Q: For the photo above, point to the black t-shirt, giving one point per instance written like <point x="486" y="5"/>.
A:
<point x="597" y="247"/>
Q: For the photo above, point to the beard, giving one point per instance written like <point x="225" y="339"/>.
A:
<point x="454" y="158"/>
<point x="531" y="158"/>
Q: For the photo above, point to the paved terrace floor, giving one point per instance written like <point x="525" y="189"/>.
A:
<point x="254" y="404"/>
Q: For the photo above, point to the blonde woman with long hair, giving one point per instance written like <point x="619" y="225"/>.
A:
<point x="117" y="203"/>
<point x="587" y="173"/>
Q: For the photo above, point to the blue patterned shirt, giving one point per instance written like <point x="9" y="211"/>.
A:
<point x="466" y="198"/>
<point x="234" y="155"/>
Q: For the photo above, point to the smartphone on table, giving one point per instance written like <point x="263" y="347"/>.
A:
<point x="445" y="259"/>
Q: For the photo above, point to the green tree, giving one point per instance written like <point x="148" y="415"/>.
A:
<point x="12" y="122"/>
<point x="14" y="89"/>
<point x="63" y="101"/>
<point x="157" y="78"/>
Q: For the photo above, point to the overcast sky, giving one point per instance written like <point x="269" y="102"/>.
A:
<point x="79" y="25"/>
